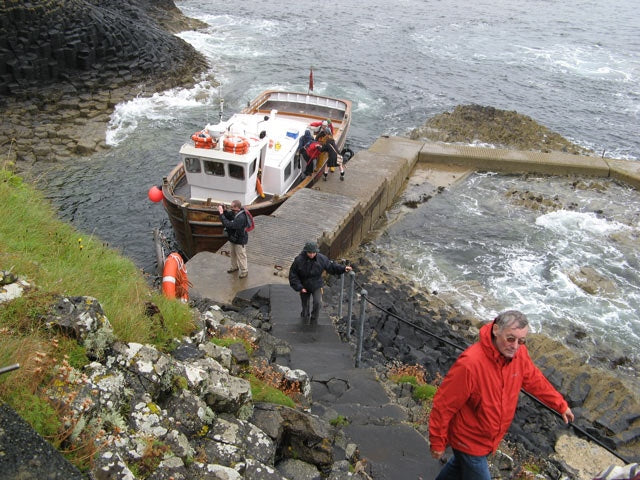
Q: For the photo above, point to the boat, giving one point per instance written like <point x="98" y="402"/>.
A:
<point x="251" y="157"/>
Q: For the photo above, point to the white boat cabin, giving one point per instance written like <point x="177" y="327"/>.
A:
<point x="224" y="161"/>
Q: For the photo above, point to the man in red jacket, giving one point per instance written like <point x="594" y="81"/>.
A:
<point x="475" y="404"/>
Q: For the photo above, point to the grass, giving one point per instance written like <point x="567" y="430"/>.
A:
<point x="56" y="259"/>
<point x="422" y="393"/>
<point x="227" y="341"/>
<point x="339" y="421"/>
<point x="263" y="392"/>
<point x="416" y="376"/>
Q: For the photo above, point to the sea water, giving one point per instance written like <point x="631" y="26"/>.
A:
<point x="572" y="66"/>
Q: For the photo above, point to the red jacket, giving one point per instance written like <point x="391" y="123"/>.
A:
<point x="475" y="404"/>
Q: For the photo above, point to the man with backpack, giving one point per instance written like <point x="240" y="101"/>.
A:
<point x="237" y="223"/>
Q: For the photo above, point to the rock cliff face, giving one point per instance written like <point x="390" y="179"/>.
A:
<point x="88" y="45"/>
<point x="71" y="61"/>
<point x="186" y="415"/>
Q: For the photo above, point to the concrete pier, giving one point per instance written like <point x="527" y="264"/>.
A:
<point x="339" y="214"/>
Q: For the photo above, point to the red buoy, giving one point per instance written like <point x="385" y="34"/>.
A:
<point x="155" y="194"/>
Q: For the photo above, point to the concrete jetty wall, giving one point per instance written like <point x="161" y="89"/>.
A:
<point x="373" y="179"/>
<point x="514" y="161"/>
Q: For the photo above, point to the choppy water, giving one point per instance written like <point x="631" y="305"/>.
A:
<point x="485" y="252"/>
<point x="572" y="66"/>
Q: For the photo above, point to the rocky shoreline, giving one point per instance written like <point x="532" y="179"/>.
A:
<point x="189" y="414"/>
<point x="58" y="87"/>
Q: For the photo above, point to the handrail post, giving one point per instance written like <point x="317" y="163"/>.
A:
<point x="363" y="299"/>
<point x="352" y="287"/>
<point x="341" y="297"/>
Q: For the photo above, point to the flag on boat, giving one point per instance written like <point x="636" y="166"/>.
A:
<point x="311" y="79"/>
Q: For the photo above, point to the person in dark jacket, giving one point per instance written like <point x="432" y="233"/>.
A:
<point x="305" y="276"/>
<point x="235" y="222"/>
<point x="303" y="143"/>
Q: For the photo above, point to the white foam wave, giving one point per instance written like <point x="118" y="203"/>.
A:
<point x="587" y="61"/>
<point x="569" y="223"/>
<point x="127" y="115"/>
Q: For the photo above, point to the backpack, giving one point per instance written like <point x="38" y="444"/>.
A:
<point x="250" y="221"/>
<point x="312" y="149"/>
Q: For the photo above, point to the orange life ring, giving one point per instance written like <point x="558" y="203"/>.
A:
<point x="202" y="139"/>
<point x="237" y="145"/>
<point x="259" y="187"/>
<point x="175" y="283"/>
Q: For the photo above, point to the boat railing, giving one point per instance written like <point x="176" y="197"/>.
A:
<point x="301" y="98"/>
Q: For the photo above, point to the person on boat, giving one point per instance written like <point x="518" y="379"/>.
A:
<point x="477" y="399"/>
<point x="305" y="276"/>
<point x="310" y="155"/>
<point x="326" y="127"/>
<point x="235" y="223"/>
<point x="304" y="141"/>
<point x="334" y="160"/>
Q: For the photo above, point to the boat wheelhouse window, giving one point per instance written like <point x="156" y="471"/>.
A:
<point x="192" y="165"/>
<point x="236" y="171"/>
<point x="214" y="168"/>
<point x="252" y="168"/>
<point x="287" y="170"/>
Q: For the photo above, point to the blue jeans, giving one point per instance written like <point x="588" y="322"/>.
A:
<point x="465" y="467"/>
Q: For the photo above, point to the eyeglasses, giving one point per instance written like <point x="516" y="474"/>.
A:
<point x="511" y="339"/>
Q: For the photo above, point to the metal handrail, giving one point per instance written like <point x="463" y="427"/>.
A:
<point x="9" y="368"/>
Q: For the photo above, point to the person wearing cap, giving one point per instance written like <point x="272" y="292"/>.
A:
<point x="305" y="276"/>
<point x="327" y="127"/>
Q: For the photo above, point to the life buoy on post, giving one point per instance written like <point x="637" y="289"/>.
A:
<point x="259" y="188"/>
<point x="175" y="283"/>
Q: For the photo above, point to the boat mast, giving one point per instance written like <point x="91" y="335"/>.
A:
<point x="221" y="101"/>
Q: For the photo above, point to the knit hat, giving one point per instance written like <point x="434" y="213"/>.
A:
<point x="311" y="247"/>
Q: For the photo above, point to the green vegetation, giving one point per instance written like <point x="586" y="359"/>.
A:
<point x="263" y="392"/>
<point x="416" y="376"/>
<point x="55" y="259"/>
<point x="339" y="421"/>
<point x="423" y="392"/>
<point x="226" y="341"/>
<point x="406" y="379"/>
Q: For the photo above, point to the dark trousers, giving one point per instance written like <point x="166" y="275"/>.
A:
<point x="307" y="163"/>
<point x="317" y="304"/>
